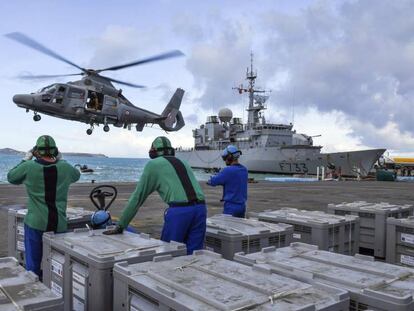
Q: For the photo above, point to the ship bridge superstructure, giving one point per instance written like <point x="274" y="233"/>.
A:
<point x="224" y="129"/>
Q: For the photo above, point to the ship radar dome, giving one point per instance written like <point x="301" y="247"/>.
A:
<point x="225" y="115"/>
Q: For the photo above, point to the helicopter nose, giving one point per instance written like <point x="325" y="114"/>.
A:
<point x="23" y="99"/>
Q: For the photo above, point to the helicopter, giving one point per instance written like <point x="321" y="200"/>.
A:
<point x="94" y="100"/>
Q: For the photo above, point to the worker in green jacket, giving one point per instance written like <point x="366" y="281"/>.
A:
<point x="173" y="179"/>
<point x="47" y="181"/>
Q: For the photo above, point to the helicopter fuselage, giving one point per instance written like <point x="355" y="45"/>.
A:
<point x="87" y="101"/>
<point x="94" y="99"/>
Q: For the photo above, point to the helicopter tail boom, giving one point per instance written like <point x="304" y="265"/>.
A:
<point x="171" y="117"/>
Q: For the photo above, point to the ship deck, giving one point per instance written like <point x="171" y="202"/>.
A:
<point x="262" y="195"/>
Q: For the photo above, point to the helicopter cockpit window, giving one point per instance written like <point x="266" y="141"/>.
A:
<point x="76" y="93"/>
<point x="59" y="95"/>
<point x="49" y="91"/>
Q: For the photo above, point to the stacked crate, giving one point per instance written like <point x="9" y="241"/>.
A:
<point x="205" y="281"/>
<point x="371" y="284"/>
<point x="228" y="235"/>
<point x="373" y="222"/>
<point x="339" y="234"/>
<point x="21" y="290"/>
<point x="79" y="264"/>
<point x="76" y="217"/>
<point x="400" y="241"/>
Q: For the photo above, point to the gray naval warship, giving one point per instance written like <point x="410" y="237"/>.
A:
<point x="268" y="147"/>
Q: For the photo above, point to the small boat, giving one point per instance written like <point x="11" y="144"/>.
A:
<point x="84" y="168"/>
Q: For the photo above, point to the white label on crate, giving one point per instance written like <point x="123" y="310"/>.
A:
<point x="57" y="267"/>
<point x="20" y="246"/>
<point x="20" y="230"/>
<point x="78" y="278"/>
<point x="407" y="238"/>
<point x="297" y="236"/>
<point x="77" y="288"/>
<point x="407" y="260"/>
<point x="56" y="288"/>
<point x="77" y="305"/>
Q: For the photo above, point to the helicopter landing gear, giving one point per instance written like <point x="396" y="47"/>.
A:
<point x="36" y="117"/>
<point x="106" y="126"/>
<point x="90" y="130"/>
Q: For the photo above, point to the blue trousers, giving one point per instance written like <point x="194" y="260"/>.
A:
<point x="235" y="210"/>
<point x="34" y="249"/>
<point x="186" y="225"/>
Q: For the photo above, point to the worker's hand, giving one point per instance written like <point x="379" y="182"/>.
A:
<point x="28" y="156"/>
<point x="59" y="156"/>
<point x="116" y="230"/>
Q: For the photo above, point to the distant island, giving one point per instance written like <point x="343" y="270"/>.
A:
<point x="10" y="151"/>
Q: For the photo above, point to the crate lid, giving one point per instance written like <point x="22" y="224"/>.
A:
<point x="205" y="281"/>
<point x="97" y="248"/>
<point x="404" y="222"/>
<point x="293" y="215"/>
<point x="72" y="213"/>
<point x="233" y="226"/>
<point x="381" y="282"/>
<point x="21" y="290"/>
<point x="362" y="206"/>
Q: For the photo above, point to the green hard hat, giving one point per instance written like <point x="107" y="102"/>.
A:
<point x="161" y="142"/>
<point x="46" y="145"/>
<point x="161" y="146"/>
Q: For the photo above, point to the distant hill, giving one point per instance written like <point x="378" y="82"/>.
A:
<point x="9" y="151"/>
<point x="82" y="154"/>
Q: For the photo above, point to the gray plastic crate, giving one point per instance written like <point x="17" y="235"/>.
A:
<point x="400" y="241"/>
<point x="228" y="235"/>
<point x="205" y="281"/>
<point x="339" y="234"/>
<point x="79" y="264"/>
<point x="373" y="222"/>
<point x="77" y="218"/>
<point x="371" y="284"/>
<point x="21" y="290"/>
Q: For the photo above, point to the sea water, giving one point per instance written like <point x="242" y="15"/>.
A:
<point x="105" y="169"/>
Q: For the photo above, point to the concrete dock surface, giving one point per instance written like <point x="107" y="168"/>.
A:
<point x="262" y="195"/>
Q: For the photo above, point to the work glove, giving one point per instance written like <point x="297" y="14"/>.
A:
<point x="59" y="156"/>
<point x="28" y="156"/>
<point x="116" y="230"/>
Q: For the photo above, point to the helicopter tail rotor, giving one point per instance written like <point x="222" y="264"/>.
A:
<point x="171" y="118"/>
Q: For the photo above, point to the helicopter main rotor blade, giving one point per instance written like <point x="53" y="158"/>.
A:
<point x="30" y="77"/>
<point x="167" y="55"/>
<point x="23" y="39"/>
<point x="124" y="83"/>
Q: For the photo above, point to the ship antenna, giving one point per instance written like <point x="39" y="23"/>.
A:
<point x="293" y="106"/>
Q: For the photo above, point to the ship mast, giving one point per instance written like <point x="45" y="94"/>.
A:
<point x="256" y="102"/>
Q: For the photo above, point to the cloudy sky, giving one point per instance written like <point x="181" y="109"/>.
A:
<point x="342" y="69"/>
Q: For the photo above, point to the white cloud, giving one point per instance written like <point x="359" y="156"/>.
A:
<point x="354" y="58"/>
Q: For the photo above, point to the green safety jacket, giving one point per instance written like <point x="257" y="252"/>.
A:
<point x="159" y="175"/>
<point x="47" y="187"/>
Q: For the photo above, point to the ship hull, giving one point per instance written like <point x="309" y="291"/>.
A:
<point x="288" y="161"/>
